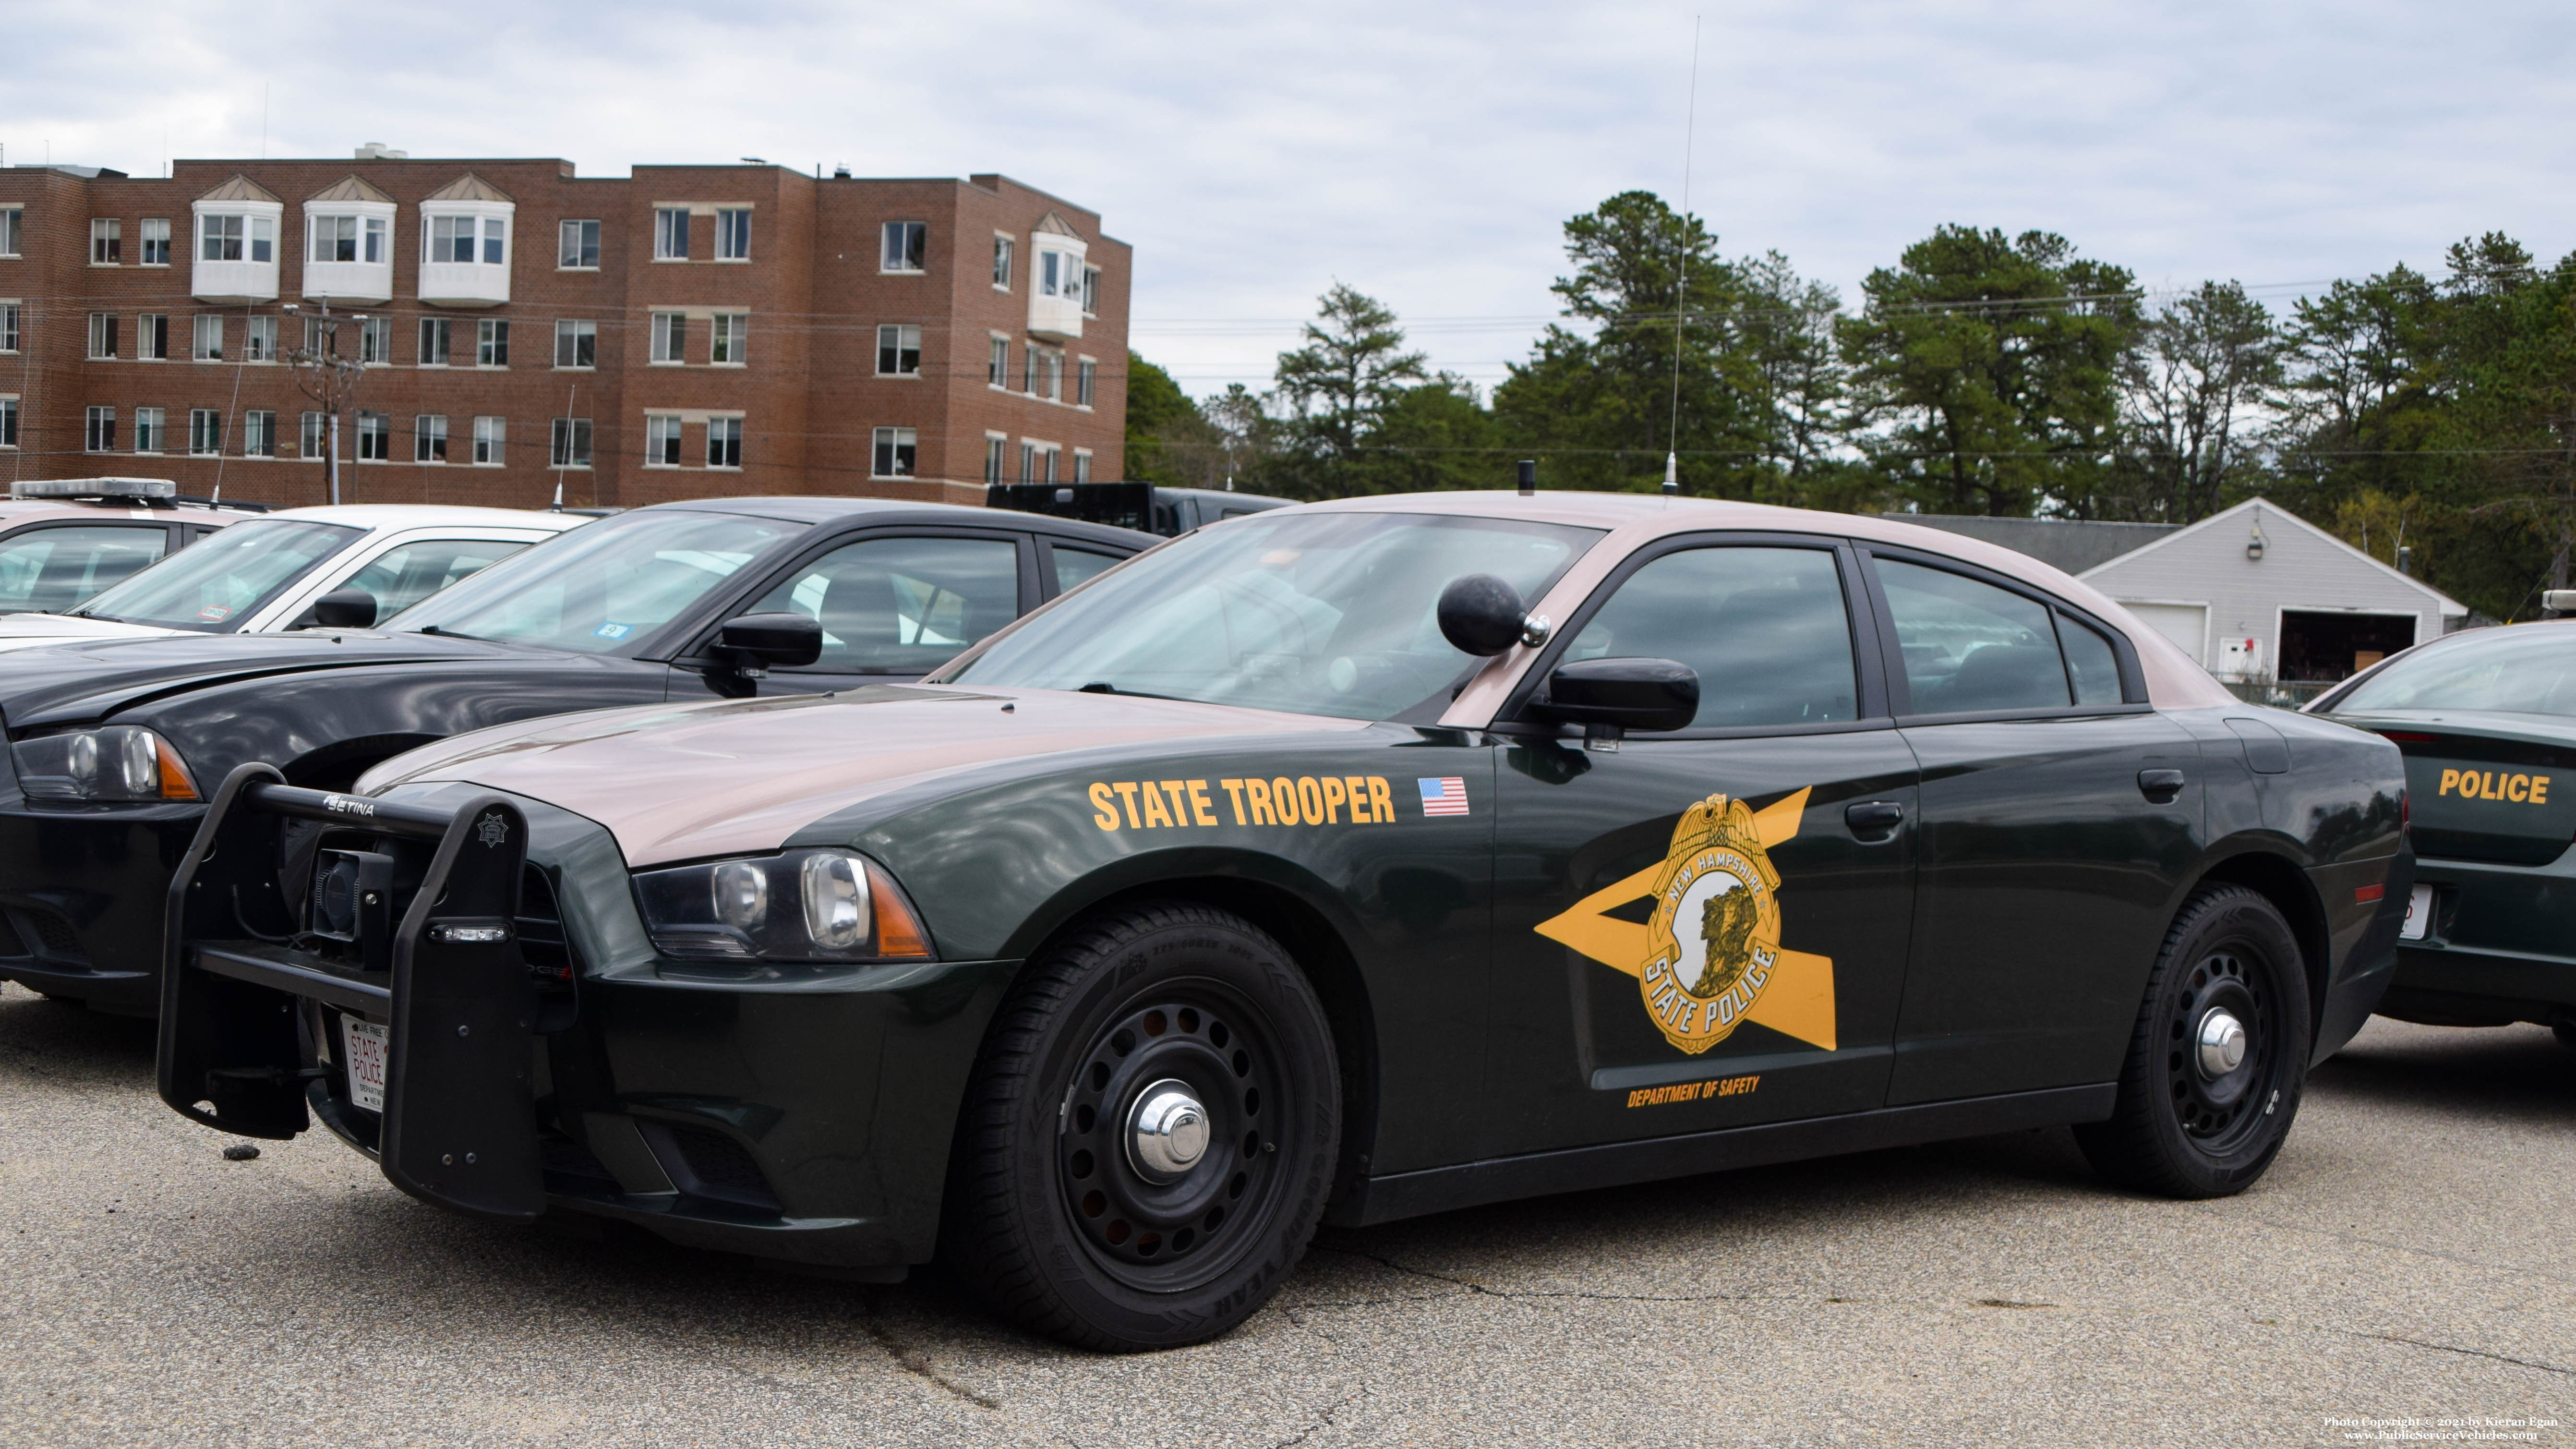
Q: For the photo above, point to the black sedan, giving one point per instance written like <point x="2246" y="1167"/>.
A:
<point x="114" y="746"/>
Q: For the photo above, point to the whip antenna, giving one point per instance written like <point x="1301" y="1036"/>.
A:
<point x="1681" y="287"/>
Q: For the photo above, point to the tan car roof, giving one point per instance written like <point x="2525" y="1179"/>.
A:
<point x="17" y="511"/>
<point x="1636" y="519"/>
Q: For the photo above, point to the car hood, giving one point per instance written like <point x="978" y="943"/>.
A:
<point x="729" y="777"/>
<point x="26" y="631"/>
<point x="76" y="683"/>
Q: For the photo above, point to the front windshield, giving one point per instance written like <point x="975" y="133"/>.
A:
<point x="1308" y="612"/>
<point x="601" y="586"/>
<point x="2527" y="670"/>
<point x="215" y="585"/>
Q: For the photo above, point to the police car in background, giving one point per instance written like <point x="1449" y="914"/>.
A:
<point x="62" y="540"/>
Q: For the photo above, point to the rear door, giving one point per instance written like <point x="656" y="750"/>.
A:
<point x="1706" y="928"/>
<point x="2059" y="812"/>
<point x="399" y="571"/>
<point x="896" y="605"/>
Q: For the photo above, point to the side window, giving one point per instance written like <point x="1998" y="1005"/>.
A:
<point x="1972" y="647"/>
<point x="401" y="577"/>
<point x="2091" y="664"/>
<point x="903" y="605"/>
<point x="1764" y="627"/>
<point x="50" y="570"/>
<point x="1078" y="565"/>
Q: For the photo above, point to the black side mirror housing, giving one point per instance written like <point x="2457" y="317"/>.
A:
<point x="1626" y="694"/>
<point x="345" y="609"/>
<point x="763" y="641"/>
<point x="1481" y="615"/>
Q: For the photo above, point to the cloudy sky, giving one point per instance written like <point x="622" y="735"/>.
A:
<point x="1426" y="153"/>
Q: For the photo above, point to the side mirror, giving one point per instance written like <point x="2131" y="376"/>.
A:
<point x="761" y="641"/>
<point x="1481" y="614"/>
<point x="1623" y="694"/>
<point x="345" y="609"/>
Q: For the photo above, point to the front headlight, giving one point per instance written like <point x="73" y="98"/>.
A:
<point x="798" y="905"/>
<point x="119" y="762"/>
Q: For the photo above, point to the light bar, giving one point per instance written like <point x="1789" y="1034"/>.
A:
<point x="96" y="488"/>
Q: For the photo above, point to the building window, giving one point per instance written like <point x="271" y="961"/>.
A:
<point x="375" y="438"/>
<point x="102" y="334"/>
<point x="152" y="337"/>
<point x="733" y="234"/>
<point x="1054" y="273"/>
<point x="997" y="365"/>
<point x="313" y="439"/>
<point x="8" y="326"/>
<point x="259" y="434"/>
<point x="106" y="241"/>
<point x="724" y="444"/>
<point x="429" y="438"/>
<point x="1029" y="369"/>
<point x="259" y="339"/>
<point x="898" y="351"/>
<point x="1046" y="463"/>
<point x="12" y="222"/>
<point x="571" y="443"/>
<point x="376" y="340"/>
<point x="728" y="338"/>
<point x="496" y="242"/>
<point x="313" y="337"/>
<point x="1001" y="262"/>
<point x="8" y="422"/>
<point x="1090" y="291"/>
<point x="994" y="447"/>
<point x="156" y="241"/>
<point x="150" y="435"/>
<point x="907" y="246"/>
<point x="489" y="435"/>
<point x="576" y="344"/>
<point x="895" y="451"/>
<point x="433" y="341"/>
<point x="661" y="440"/>
<point x="205" y="432"/>
<point x="208" y="344"/>
<point x="451" y="239"/>
<point x="1055" y="376"/>
<point x="670" y="337"/>
<point x="1028" y="462"/>
<point x="346" y="238"/>
<point x="1082" y="465"/>
<point x="99" y="435"/>
<point x="492" y="342"/>
<point x="671" y="234"/>
<point x="578" y="249"/>
<point x="1082" y="380"/>
<point x="234" y="238"/>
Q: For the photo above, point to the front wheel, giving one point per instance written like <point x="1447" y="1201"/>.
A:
<point x="2219" y="1056"/>
<point x="1150" y="1133"/>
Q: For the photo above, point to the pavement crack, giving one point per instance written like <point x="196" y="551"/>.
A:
<point x="1527" y="1295"/>
<point x="912" y="1362"/>
<point x="1323" y="1421"/>
<point x="2399" y="1338"/>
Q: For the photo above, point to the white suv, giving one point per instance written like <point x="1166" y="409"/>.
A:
<point x="266" y="574"/>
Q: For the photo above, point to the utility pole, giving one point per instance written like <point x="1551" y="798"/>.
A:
<point x="328" y="378"/>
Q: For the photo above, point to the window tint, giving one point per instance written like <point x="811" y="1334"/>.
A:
<point x="401" y="577"/>
<point x="903" y="605"/>
<point x="1073" y="565"/>
<point x="214" y="586"/>
<point x="1764" y="627"/>
<point x="50" y="570"/>
<point x="1971" y="647"/>
<point x="2090" y="662"/>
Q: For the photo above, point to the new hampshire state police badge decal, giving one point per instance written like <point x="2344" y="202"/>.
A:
<point x="1708" y="959"/>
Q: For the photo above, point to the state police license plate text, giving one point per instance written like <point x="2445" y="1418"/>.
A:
<point x="2419" y="915"/>
<point x="366" y="1043"/>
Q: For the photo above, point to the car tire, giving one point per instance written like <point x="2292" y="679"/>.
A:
<point x="1082" y="1204"/>
<point x="2187" y="1124"/>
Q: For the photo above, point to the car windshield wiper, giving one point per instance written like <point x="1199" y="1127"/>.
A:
<point x="1103" y="686"/>
<point x="449" y="633"/>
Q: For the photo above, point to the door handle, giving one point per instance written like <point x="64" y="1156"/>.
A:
<point x="2160" y="786"/>
<point x="1874" y="820"/>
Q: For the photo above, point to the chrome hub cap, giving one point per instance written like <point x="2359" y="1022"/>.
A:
<point x="2221" y="1043"/>
<point x="1167" y="1131"/>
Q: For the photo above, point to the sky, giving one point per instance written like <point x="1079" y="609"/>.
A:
<point x="1426" y="153"/>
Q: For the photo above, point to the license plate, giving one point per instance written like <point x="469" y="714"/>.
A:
<point x="367" y="1043"/>
<point x="2419" y="915"/>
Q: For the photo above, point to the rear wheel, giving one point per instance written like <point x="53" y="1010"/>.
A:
<point x="1150" y="1134"/>
<point x="2219" y="1056"/>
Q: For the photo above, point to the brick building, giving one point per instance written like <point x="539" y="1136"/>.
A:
<point x="684" y="332"/>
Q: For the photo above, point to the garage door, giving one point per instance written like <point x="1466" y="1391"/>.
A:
<point x="2187" y="625"/>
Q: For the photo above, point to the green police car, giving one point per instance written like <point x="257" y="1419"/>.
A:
<point x="1336" y="863"/>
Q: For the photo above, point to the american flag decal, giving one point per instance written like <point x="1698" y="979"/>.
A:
<point x="1444" y="796"/>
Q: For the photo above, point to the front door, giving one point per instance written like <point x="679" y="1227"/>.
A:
<point x="1708" y="928"/>
<point x="895" y="607"/>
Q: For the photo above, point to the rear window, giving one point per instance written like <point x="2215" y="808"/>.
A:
<point x="2516" y="670"/>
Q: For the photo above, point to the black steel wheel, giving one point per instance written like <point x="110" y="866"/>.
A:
<point x="2219" y="1057"/>
<point x="1150" y="1134"/>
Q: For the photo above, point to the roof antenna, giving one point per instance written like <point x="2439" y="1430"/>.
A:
<point x="1681" y="288"/>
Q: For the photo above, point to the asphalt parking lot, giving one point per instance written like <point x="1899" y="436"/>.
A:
<point x="2408" y="1258"/>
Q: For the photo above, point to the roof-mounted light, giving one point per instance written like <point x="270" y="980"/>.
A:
<point x="101" y="488"/>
